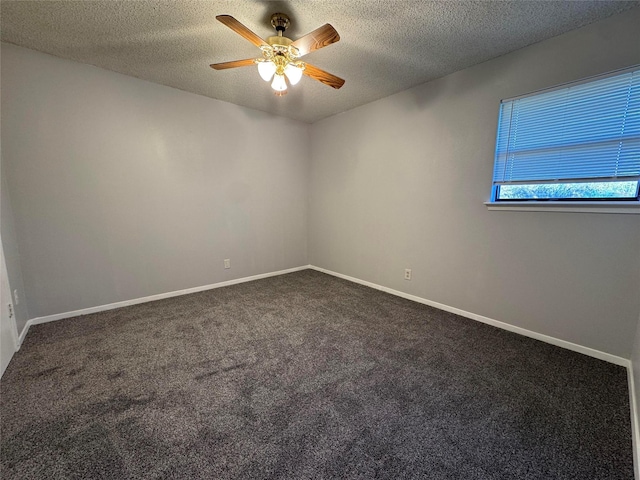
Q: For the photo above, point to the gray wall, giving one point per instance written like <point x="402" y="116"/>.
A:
<point x="11" y="251"/>
<point x="400" y="183"/>
<point x="122" y="189"/>
<point x="12" y="257"/>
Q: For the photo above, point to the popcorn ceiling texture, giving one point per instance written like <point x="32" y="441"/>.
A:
<point x="306" y="376"/>
<point x="385" y="47"/>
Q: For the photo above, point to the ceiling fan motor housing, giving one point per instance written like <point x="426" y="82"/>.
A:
<point x="281" y="45"/>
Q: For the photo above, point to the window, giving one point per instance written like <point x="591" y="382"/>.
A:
<point x="575" y="142"/>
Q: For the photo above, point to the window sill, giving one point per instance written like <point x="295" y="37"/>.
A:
<point x="581" y="207"/>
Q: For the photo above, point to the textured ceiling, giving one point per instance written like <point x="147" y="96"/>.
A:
<point x="385" y="47"/>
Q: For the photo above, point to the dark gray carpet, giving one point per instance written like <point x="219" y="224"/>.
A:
<point x="305" y="376"/>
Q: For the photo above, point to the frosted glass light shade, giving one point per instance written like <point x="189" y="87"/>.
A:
<point x="279" y="84"/>
<point x="266" y="70"/>
<point x="294" y="74"/>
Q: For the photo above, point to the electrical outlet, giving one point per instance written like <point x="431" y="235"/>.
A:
<point x="407" y="274"/>
<point x="227" y="263"/>
<point x="15" y="297"/>
<point x="10" y="308"/>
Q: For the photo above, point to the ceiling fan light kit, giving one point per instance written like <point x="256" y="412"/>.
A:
<point x="279" y="63"/>
<point x="279" y="84"/>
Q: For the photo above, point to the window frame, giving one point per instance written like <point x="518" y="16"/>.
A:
<point x="575" y="204"/>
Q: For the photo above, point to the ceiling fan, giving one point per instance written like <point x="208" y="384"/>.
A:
<point x="280" y="55"/>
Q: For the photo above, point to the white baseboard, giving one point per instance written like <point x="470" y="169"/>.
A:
<point x="496" y="323"/>
<point x="23" y="334"/>
<point x="635" y="422"/>
<point x="150" y="298"/>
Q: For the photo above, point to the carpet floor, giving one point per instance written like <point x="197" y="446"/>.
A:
<point x="305" y="376"/>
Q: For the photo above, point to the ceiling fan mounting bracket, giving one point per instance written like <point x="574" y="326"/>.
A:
<point x="280" y="22"/>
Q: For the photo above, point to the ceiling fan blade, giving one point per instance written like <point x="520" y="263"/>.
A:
<point x="322" y="76"/>
<point x="320" y="37"/>
<point x="241" y="30"/>
<point x="236" y="63"/>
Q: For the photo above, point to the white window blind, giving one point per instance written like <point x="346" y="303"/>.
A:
<point x="587" y="131"/>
